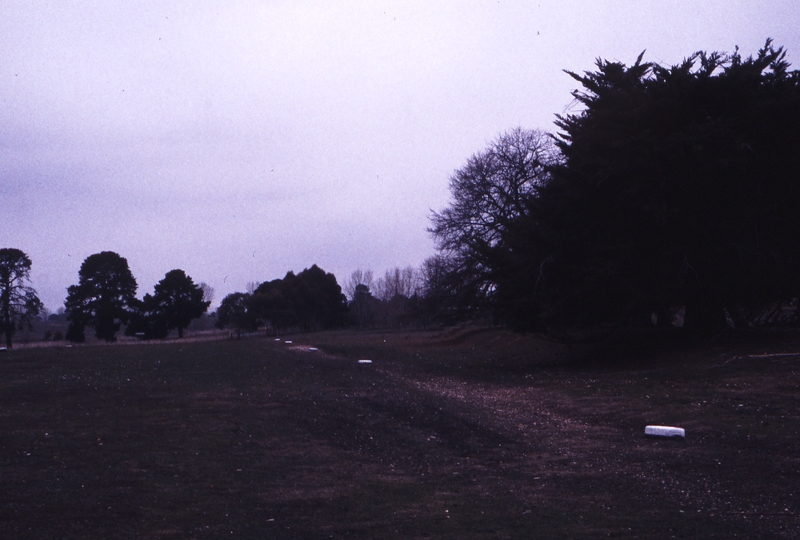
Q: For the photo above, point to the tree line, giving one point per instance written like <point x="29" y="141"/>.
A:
<point x="310" y="300"/>
<point x="104" y="299"/>
<point x="313" y="300"/>
<point x="668" y="199"/>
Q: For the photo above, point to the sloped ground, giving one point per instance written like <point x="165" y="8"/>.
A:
<point x="463" y="433"/>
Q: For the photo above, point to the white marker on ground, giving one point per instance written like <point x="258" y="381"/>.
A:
<point x="664" y="431"/>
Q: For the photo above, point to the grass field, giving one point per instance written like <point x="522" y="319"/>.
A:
<point x="467" y="433"/>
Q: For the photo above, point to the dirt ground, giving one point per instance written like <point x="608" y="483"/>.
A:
<point x="461" y="433"/>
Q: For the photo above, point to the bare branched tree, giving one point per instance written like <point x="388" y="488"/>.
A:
<point x="18" y="301"/>
<point x="489" y="193"/>
<point x="358" y="277"/>
<point x="208" y="292"/>
<point x="398" y="282"/>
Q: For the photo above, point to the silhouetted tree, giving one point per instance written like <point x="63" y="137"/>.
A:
<point x="357" y="278"/>
<point x="235" y="311"/>
<point x="103" y="297"/>
<point x="446" y="297"/>
<point x="398" y="282"/>
<point x="679" y="187"/>
<point x="363" y="307"/>
<point x="489" y="193"/>
<point x="310" y="300"/>
<point x="398" y="294"/>
<point x="147" y="319"/>
<point x="179" y="300"/>
<point x="18" y="301"/>
<point x="208" y="292"/>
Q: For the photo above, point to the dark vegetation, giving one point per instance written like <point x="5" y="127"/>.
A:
<point x="465" y="433"/>
<point x="103" y="298"/>
<point x="175" y="303"/>
<point x="19" y="304"/>
<point x="674" y="188"/>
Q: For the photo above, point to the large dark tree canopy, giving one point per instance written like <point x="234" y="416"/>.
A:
<point x="310" y="300"/>
<point x="236" y="311"/>
<point x="680" y="186"/>
<point x="103" y="298"/>
<point x="179" y="300"/>
<point x="175" y="302"/>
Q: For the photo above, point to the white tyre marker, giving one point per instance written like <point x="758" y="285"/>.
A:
<point x="664" y="431"/>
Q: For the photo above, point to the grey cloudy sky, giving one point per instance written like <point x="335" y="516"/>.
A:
<point x="238" y="140"/>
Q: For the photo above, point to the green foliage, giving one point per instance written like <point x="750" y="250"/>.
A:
<point x="19" y="303"/>
<point x="679" y="187"/>
<point x="104" y="297"/>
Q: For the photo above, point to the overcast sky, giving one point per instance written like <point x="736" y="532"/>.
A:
<point x="238" y="140"/>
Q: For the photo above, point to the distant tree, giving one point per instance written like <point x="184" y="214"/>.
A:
<point x="103" y="298"/>
<point x="235" y="311"/>
<point x="363" y="307"/>
<point x="252" y="286"/>
<point x="59" y="316"/>
<point x="208" y="292"/>
<point x="18" y="301"/>
<point x="489" y="193"/>
<point x="357" y="278"/>
<point x="398" y="282"/>
<point x="398" y="291"/>
<point x="179" y="300"/>
<point x="310" y="300"/>
<point x="148" y="319"/>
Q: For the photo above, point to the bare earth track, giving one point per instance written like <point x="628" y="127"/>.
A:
<point x="466" y="433"/>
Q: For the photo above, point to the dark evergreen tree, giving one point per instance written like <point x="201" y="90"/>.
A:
<point x="103" y="298"/>
<point x="679" y="187"/>
<point x="18" y="301"/>
<point x="179" y="300"/>
<point x="310" y="300"/>
<point x="235" y="311"/>
<point x="147" y="319"/>
<point x="363" y="307"/>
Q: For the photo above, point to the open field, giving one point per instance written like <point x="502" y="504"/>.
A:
<point x="468" y="433"/>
